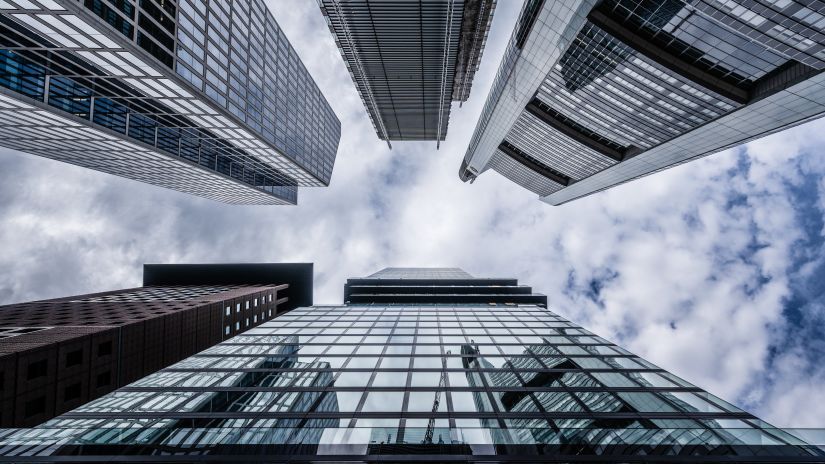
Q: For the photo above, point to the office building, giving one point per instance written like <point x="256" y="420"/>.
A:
<point x="410" y="59"/>
<point x="594" y="93"/>
<point x="203" y="97"/>
<point x="414" y="367"/>
<point x="56" y="355"/>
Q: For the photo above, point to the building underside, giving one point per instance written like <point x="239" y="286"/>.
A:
<point x="410" y="59"/>
<point x="619" y="89"/>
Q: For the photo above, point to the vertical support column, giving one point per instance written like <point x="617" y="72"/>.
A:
<point x="92" y="109"/>
<point x="47" y="82"/>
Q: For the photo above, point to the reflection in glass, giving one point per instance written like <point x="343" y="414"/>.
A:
<point x="548" y="397"/>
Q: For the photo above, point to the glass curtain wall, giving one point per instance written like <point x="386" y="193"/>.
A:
<point x="438" y="379"/>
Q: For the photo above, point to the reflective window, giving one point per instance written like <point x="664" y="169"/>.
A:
<point x="275" y="379"/>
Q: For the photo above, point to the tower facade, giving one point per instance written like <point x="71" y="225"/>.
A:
<point x="410" y="59"/>
<point x="203" y="97"/>
<point x="435" y="379"/>
<point x="56" y="355"/>
<point x="594" y="93"/>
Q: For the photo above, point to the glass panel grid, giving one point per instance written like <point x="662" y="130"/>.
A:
<point x="357" y="378"/>
<point x="49" y="57"/>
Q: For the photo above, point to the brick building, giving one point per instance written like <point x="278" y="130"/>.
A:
<point x="58" y="354"/>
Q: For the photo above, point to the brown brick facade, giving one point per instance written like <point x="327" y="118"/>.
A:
<point x="89" y="345"/>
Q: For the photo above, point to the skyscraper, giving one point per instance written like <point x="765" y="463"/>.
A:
<point x="414" y="367"/>
<point x="56" y="355"/>
<point x="591" y="94"/>
<point x="410" y="59"/>
<point x="203" y="97"/>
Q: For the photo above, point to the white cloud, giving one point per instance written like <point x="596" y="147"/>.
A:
<point x="693" y="265"/>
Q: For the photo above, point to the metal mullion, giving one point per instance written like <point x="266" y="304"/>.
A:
<point x="610" y="109"/>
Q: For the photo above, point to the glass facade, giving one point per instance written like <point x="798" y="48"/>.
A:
<point x="410" y="59"/>
<point x="235" y="52"/>
<point x="360" y="382"/>
<point x="183" y="94"/>
<point x="628" y="87"/>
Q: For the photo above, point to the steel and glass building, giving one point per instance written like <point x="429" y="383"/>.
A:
<point x="58" y="354"/>
<point x="414" y="367"/>
<point x="410" y="59"/>
<point x="206" y="97"/>
<point x="594" y="93"/>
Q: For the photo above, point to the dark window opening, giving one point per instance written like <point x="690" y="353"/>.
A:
<point x="72" y="392"/>
<point x="156" y="32"/>
<point x="169" y="140"/>
<point x="74" y="358"/>
<point x="224" y="164"/>
<point x="154" y="49"/>
<point x="142" y="128"/>
<point x="20" y="75"/>
<point x="124" y="6"/>
<point x="104" y="379"/>
<point x="104" y="349"/>
<point x="190" y="145"/>
<point x="154" y="10"/>
<point x="111" y="16"/>
<point x="37" y="369"/>
<point x="35" y="407"/>
<point x="110" y="114"/>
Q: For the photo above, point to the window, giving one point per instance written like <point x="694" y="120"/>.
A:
<point x="73" y="358"/>
<point x="238" y="308"/>
<point x="104" y="349"/>
<point x="247" y="304"/>
<point x="226" y="330"/>
<point x="72" y="392"/>
<point x="104" y="379"/>
<point x="256" y="302"/>
<point x="37" y="369"/>
<point x="228" y="310"/>
<point x="35" y="407"/>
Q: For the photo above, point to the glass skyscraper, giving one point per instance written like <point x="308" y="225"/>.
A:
<point x="410" y="59"/>
<point x="417" y="365"/>
<point x="58" y="354"/>
<point x="594" y="93"/>
<point x="207" y="97"/>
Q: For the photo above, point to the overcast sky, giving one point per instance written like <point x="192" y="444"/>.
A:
<point x="714" y="270"/>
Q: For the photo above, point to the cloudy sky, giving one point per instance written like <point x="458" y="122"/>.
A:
<point x="714" y="270"/>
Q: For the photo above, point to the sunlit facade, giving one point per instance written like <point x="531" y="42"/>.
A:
<point x="495" y="382"/>
<point x="594" y="93"/>
<point x="206" y="97"/>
